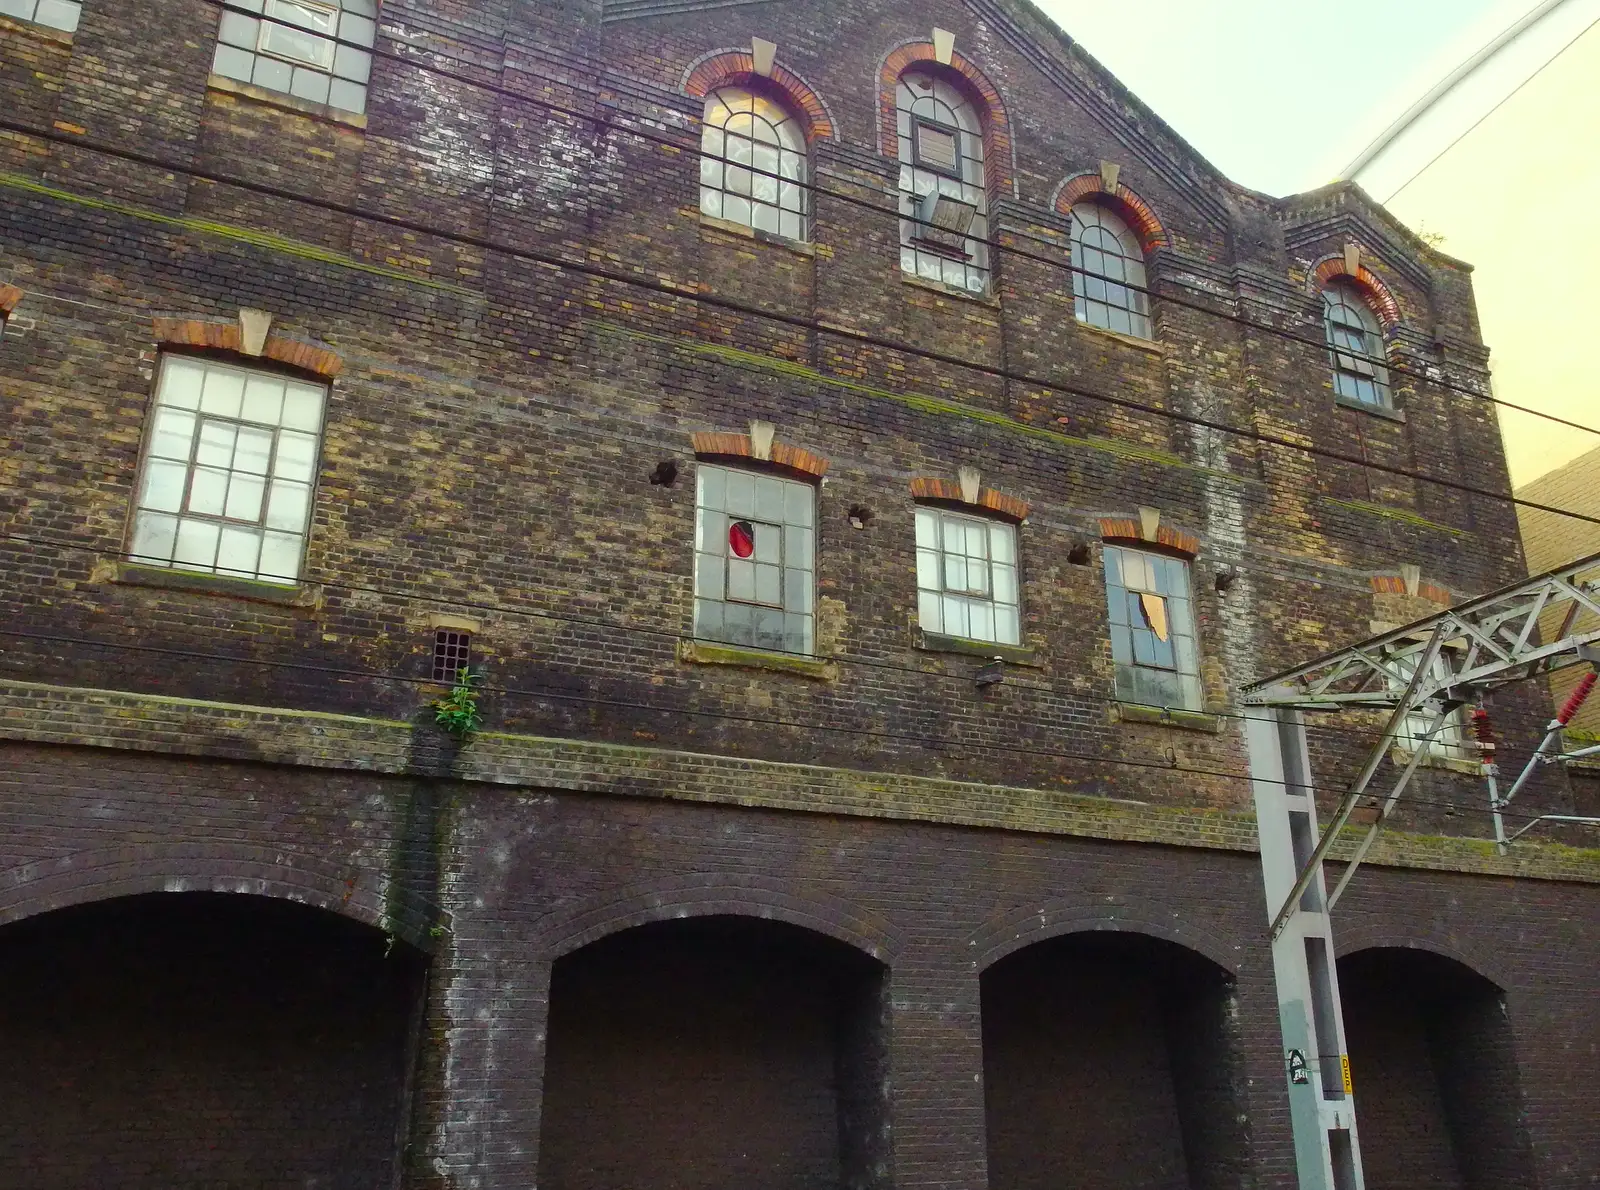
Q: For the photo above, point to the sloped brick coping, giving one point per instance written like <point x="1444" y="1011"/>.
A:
<point x="928" y="488"/>
<point x="226" y="336"/>
<point x="1124" y="529"/>
<point x="1370" y="286"/>
<point x="985" y="97"/>
<point x="10" y="295"/>
<point x="738" y="446"/>
<point x="1129" y="205"/>
<point x="737" y="68"/>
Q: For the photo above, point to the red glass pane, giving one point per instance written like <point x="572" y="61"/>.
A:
<point x="742" y="539"/>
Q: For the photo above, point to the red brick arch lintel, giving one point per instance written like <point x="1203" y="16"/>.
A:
<point x="985" y="96"/>
<point x="737" y="68"/>
<point x="226" y="336"/>
<point x="1127" y="530"/>
<point x="1370" y="285"/>
<point x="1129" y="205"/>
<point x="931" y="488"/>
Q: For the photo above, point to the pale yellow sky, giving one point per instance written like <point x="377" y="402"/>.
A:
<point x="1517" y="198"/>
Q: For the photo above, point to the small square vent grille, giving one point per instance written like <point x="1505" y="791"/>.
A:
<point x="452" y="652"/>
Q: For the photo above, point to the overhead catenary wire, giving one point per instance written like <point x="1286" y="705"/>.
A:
<point x="607" y="123"/>
<point x="814" y="326"/>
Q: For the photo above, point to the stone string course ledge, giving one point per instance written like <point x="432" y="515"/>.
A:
<point x="74" y="716"/>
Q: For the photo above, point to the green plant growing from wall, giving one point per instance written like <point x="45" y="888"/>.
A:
<point x="458" y="711"/>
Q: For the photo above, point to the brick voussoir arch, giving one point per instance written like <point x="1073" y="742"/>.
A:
<point x="60" y="882"/>
<point x="998" y="158"/>
<point x="1408" y="936"/>
<point x="671" y="899"/>
<point x="737" y="68"/>
<point x="1140" y="215"/>
<point x="1378" y="295"/>
<point x="1024" y="927"/>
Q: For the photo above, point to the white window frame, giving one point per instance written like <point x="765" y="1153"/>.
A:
<point x="776" y="611"/>
<point x="1109" y="282"/>
<point x="338" y="78"/>
<point x="325" y="41"/>
<point x="1355" y="366"/>
<point x="969" y="595"/>
<point x="957" y="259"/>
<point x="1143" y="586"/>
<point x="773" y="200"/>
<point x="191" y="499"/>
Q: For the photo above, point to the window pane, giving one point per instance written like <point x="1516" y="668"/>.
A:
<point x="197" y="543"/>
<point x="234" y="63"/>
<point x="224" y="390"/>
<point x="239" y="550"/>
<point x="280" y="556"/>
<point x="347" y="96"/>
<point x="798" y="503"/>
<point x="297" y="457"/>
<point x="769" y="544"/>
<point x="153" y="537"/>
<point x="208" y="492"/>
<point x="181" y="381"/>
<point x="288" y="506"/>
<point x="741" y="580"/>
<point x="1007" y="626"/>
<point x="263" y="399"/>
<point x="253" y="451"/>
<point x="711" y="480"/>
<point x="927" y="528"/>
<point x="954" y="613"/>
<point x="216" y="443"/>
<point x="707" y="619"/>
<point x="244" y="497"/>
<point x="769" y="585"/>
<point x="173" y="434"/>
<point x="1005" y="584"/>
<point x="302" y="407"/>
<point x="797" y="591"/>
<point x="708" y="576"/>
<point x="237" y="29"/>
<point x="981" y="621"/>
<point x="741" y="493"/>
<point x="1002" y="545"/>
<point x="799" y="548"/>
<point x="928" y="609"/>
<point x="928" y="570"/>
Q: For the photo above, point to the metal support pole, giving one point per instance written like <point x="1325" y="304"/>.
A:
<point x="1552" y="818"/>
<point x="1402" y="708"/>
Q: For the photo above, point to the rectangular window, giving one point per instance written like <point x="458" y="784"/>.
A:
<point x="230" y="461"/>
<point x="967" y="577"/>
<point x="319" y="52"/>
<point x="1152" y="629"/>
<point x="755" y="549"/>
<point x="54" y="14"/>
<point x="1449" y="741"/>
<point x="938" y="148"/>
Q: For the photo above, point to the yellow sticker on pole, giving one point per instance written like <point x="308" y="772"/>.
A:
<point x="1344" y="1069"/>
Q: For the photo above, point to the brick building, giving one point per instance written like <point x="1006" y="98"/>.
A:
<point x="859" y="595"/>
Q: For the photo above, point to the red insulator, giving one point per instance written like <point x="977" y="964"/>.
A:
<point x="1576" y="701"/>
<point x="1483" y="729"/>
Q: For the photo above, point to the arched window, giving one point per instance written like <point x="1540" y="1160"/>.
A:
<point x="1108" y="279"/>
<point x="1355" y="345"/>
<point x="294" y="46"/>
<point x="944" y="230"/>
<point x="753" y="171"/>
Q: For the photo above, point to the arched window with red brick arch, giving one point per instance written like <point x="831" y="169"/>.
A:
<point x="1355" y="343"/>
<point x="944" y="202"/>
<point x="759" y="123"/>
<point x="753" y="164"/>
<point x="1109" y="286"/>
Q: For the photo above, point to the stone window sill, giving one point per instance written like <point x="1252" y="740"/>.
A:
<point x="196" y="582"/>
<point x="1149" y="345"/>
<point x="950" y="291"/>
<point x="801" y="247"/>
<point x="1450" y="764"/>
<point x="700" y="652"/>
<point x="39" y="32"/>
<point x="934" y="642"/>
<point x="1382" y="411"/>
<point x="1133" y="712"/>
<point x="322" y="111"/>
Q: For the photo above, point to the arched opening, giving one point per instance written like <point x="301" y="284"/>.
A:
<point x="1110" y="1064"/>
<point x="715" y="1053"/>
<point x="1433" y="1061"/>
<point x="202" y="1039"/>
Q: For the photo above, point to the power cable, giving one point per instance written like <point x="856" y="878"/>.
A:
<point x="606" y="123"/>
<point x="1476" y="124"/>
<point x="810" y="325"/>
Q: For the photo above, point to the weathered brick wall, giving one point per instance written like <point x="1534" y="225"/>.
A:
<point x="490" y="437"/>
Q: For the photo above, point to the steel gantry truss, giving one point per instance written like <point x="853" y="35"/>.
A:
<point x="1426" y="671"/>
